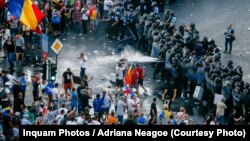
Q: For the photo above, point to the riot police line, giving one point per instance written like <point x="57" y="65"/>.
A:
<point x="207" y="74"/>
<point x="186" y="58"/>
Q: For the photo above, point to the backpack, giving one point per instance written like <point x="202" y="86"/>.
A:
<point x="3" y="94"/>
<point x="167" y="114"/>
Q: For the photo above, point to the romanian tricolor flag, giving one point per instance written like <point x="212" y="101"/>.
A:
<point x="128" y="76"/>
<point x="128" y="90"/>
<point x="27" y="12"/>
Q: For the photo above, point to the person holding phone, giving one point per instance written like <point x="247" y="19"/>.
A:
<point x="229" y="38"/>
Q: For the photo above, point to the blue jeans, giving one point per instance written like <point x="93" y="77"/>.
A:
<point x="220" y="120"/>
<point x="77" y="27"/>
<point x="73" y="105"/>
<point x="120" y="119"/>
<point x="10" y="56"/>
<point x="79" y="108"/>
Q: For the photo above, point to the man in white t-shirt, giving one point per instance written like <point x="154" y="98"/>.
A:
<point x="132" y="105"/>
<point x="107" y="6"/>
<point x="72" y="121"/>
<point x="119" y="77"/>
<point x="120" y="109"/>
<point x="10" y="78"/>
<point x="80" y="119"/>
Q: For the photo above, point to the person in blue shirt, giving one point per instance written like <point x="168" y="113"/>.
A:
<point x="141" y="119"/>
<point x="97" y="104"/>
<point x="56" y="22"/>
<point x="74" y="98"/>
<point x="23" y="83"/>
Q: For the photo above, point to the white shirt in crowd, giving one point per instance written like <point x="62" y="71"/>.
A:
<point x="131" y="104"/>
<point x="40" y="87"/>
<point x="65" y="111"/>
<point x="107" y="4"/>
<point x="71" y="123"/>
<point x="120" y="107"/>
<point x="94" y="122"/>
<point x="85" y="14"/>
<point x="59" y="118"/>
<point x="7" y="90"/>
<point x="54" y="93"/>
<point x="82" y="63"/>
<point x="106" y="101"/>
<point x="9" y="16"/>
<point x="80" y="121"/>
<point x="11" y="79"/>
<point x="25" y="121"/>
<point x="51" y="116"/>
<point x="119" y="72"/>
<point x="220" y="108"/>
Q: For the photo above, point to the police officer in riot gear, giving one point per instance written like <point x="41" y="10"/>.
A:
<point x="132" y="19"/>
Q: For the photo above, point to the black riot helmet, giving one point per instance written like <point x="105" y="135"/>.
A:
<point x="217" y="80"/>
<point x="213" y="76"/>
<point x="229" y="62"/>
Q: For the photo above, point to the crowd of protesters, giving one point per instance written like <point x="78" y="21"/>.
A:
<point x="187" y="62"/>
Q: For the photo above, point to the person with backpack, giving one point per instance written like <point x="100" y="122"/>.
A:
<point x="165" y="116"/>
<point x="60" y="117"/>
<point x="5" y="100"/>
